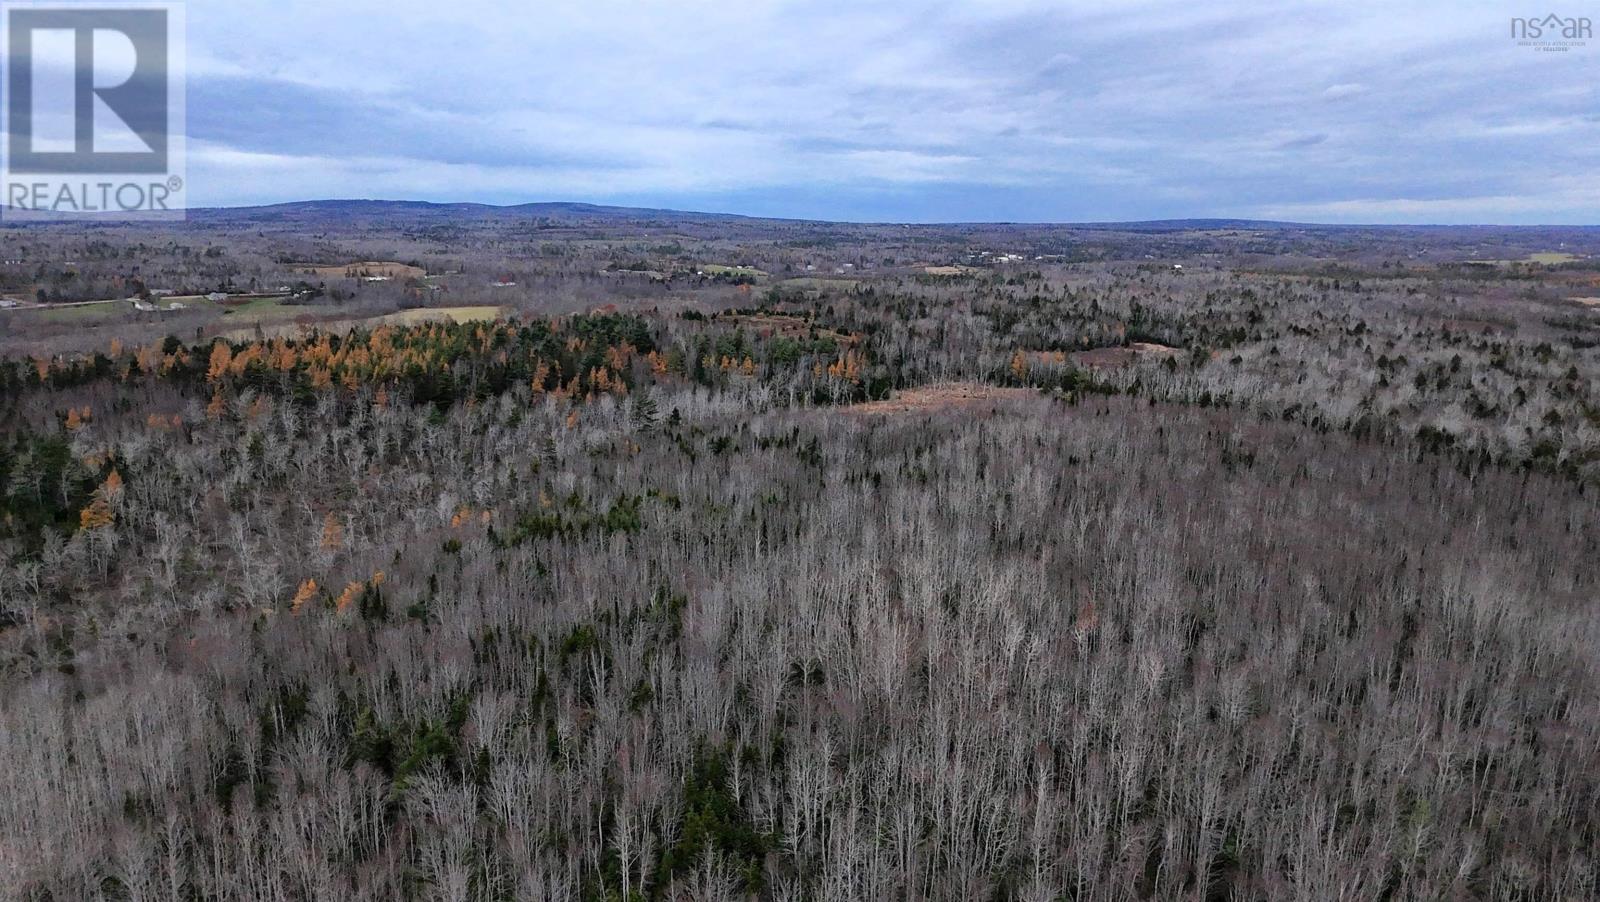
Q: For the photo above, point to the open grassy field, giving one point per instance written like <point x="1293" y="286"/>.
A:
<point x="83" y="314"/>
<point x="117" y="311"/>
<point x="439" y="314"/>
<point x="255" y="308"/>
<point x="1543" y="258"/>
<point x="362" y="269"/>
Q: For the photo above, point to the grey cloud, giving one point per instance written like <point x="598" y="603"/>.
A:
<point x="1301" y="142"/>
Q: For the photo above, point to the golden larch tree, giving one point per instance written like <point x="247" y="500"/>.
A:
<point x="306" y="592"/>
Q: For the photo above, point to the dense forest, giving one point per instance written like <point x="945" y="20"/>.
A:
<point x="1077" y="580"/>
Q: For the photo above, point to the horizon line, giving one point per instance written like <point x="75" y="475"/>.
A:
<point x="1080" y="223"/>
<point x="891" y="222"/>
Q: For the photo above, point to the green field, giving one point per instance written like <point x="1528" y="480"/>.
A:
<point x="256" y="309"/>
<point x="86" y="315"/>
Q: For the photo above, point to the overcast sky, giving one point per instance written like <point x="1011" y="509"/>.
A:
<point x="1348" y="111"/>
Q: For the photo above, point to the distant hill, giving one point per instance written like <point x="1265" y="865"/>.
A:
<point x="352" y="210"/>
<point x="349" y="213"/>
<point x="563" y="210"/>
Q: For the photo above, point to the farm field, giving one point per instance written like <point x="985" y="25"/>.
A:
<point x="361" y="269"/>
<point x="265" y="308"/>
<point x="437" y="314"/>
<point x="83" y="314"/>
<point x="1541" y="258"/>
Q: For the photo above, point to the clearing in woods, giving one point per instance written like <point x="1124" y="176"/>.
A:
<point x="944" y="396"/>
<point x="1118" y="357"/>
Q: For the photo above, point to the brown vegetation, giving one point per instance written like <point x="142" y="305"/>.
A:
<point x="943" y="396"/>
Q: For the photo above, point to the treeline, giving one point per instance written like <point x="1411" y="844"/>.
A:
<point x="440" y="363"/>
<point x="446" y="363"/>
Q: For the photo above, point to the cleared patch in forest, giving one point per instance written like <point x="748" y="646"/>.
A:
<point x="943" y="396"/>
<point x="1117" y="357"/>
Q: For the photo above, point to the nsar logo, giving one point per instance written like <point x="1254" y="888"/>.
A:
<point x="1553" y="32"/>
